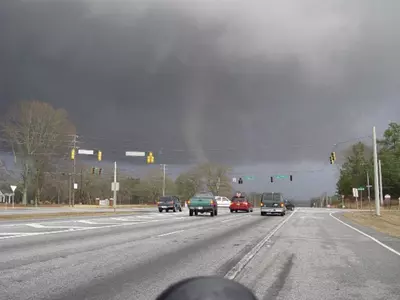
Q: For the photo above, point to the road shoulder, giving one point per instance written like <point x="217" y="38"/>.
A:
<point x="391" y="241"/>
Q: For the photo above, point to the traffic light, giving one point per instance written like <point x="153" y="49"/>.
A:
<point x="150" y="158"/>
<point x="99" y="155"/>
<point x="240" y="181"/>
<point x="291" y="177"/>
<point x="73" y="154"/>
<point x="333" y="154"/>
<point x="272" y="179"/>
<point x="93" y="170"/>
<point x="100" y="170"/>
<point x="332" y="158"/>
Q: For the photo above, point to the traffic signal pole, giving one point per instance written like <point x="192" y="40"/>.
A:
<point x="376" y="177"/>
<point x="115" y="186"/>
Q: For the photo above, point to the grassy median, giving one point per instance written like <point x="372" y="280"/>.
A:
<point x="388" y="222"/>
<point x="62" y="214"/>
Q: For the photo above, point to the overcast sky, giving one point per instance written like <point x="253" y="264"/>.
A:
<point x="262" y="85"/>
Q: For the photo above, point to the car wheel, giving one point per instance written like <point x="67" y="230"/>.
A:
<point x="174" y="210"/>
<point x="191" y="212"/>
<point x="180" y="208"/>
<point x="232" y="211"/>
<point x="160" y="210"/>
<point x="216" y="212"/>
<point x="212" y="213"/>
<point x="196" y="213"/>
<point x="282" y="214"/>
<point x="263" y="214"/>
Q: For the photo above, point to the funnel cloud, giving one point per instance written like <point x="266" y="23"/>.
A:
<point x="237" y="82"/>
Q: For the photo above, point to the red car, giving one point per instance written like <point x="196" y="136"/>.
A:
<point x="240" y="203"/>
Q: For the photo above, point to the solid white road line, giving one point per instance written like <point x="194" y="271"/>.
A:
<point x="170" y="233"/>
<point x="36" y="225"/>
<point x="250" y="255"/>
<point x="367" y="235"/>
<point x="63" y="231"/>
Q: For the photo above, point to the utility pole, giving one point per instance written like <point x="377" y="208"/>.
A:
<point x="218" y="185"/>
<point x="73" y="172"/>
<point x="369" y="190"/>
<point x="81" y="186"/>
<point x="69" y="189"/>
<point x="115" y="186"/>
<point x="37" y="187"/>
<point x="376" y="177"/>
<point x="163" y="187"/>
<point x="380" y="183"/>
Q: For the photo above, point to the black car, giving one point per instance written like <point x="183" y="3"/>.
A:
<point x="168" y="203"/>
<point x="289" y="205"/>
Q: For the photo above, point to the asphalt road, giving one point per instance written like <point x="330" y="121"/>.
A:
<point x="304" y="255"/>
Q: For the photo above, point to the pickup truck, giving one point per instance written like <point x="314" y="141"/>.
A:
<point x="203" y="203"/>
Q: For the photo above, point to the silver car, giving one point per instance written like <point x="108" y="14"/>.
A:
<point x="272" y="204"/>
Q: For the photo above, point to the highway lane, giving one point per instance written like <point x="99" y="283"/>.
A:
<point x="131" y="261"/>
<point x="312" y="256"/>
<point x="317" y="257"/>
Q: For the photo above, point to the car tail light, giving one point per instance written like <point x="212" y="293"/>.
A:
<point x="261" y="204"/>
<point x="188" y="202"/>
<point x="212" y="202"/>
<point x="282" y="205"/>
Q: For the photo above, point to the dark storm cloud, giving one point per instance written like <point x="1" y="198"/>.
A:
<point x="238" y="83"/>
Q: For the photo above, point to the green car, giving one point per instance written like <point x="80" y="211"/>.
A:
<point x="203" y="203"/>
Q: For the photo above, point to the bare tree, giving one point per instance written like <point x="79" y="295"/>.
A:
<point x="188" y="184"/>
<point x="37" y="133"/>
<point x="215" y="177"/>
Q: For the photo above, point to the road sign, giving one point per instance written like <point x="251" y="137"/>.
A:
<point x="281" y="176"/>
<point x="361" y="188"/>
<point x="85" y="152"/>
<point x="234" y="179"/>
<point x="113" y="186"/>
<point x="13" y="187"/>
<point x="75" y="186"/>
<point x="135" y="153"/>
<point x="248" y="177"/>
<point x="387" y="196"/>
<point x="355" y="192"/>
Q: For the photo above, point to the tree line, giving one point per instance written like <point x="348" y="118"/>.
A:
<point x="358" y="165"/>
<point x="40" y="138"/>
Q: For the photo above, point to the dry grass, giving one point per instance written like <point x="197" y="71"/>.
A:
<point x="388" y="222"/>
<point x="3" y="206"/>
<point x="60" y="214"/>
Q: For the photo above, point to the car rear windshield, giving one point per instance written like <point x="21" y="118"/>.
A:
<point x="165" y="199"/>
<point x="239" y="199"/>
<point x="271" y="199"/>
